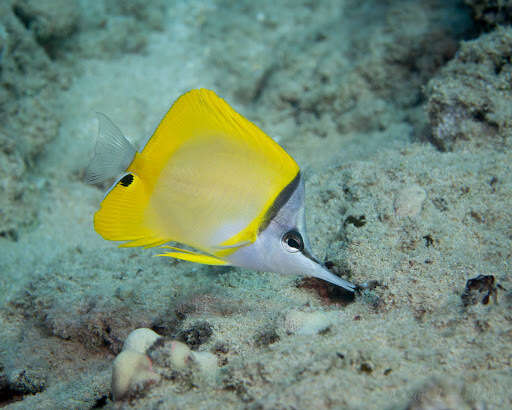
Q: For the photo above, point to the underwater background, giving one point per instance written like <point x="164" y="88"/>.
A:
<point x="399" y="114"/>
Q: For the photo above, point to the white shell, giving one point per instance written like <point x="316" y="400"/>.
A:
<point x="131" y="373"/>
<point x="140" y="340"/>
<point x="180" y="355"/>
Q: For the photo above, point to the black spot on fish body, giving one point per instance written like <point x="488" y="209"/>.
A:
<point x="126" y="180"/>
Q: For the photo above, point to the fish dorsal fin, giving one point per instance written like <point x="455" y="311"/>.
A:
<point x="202" y="114"/>
<point x="206" y="179"/>
<point x="112" y="153"/>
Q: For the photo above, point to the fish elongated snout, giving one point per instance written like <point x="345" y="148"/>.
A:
<point x="321" y="272"/>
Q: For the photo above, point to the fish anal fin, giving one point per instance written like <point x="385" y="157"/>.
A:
<point x="177" y="249"/>
<point x="145" y="242"/>
<point x="195" y="257"/>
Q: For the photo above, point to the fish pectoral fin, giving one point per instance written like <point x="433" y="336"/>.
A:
<point x="191" y="256"/>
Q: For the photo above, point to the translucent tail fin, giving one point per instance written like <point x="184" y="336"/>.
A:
<point x="112" y="154"/>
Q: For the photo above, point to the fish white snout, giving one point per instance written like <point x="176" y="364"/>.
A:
<point x="321" y="272"/>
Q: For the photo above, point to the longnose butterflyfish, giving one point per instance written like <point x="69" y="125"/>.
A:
<point x="212" y="181"/>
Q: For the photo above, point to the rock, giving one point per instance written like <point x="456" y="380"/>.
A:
<point x="196" y="335"/>
<point x="25" y="381"/>
<point x="490" y="13"/>
<point x="49" y="20"/>
<point x="266" y="337"/>
<point x="469" y="100"/>
<point x="29" y="82"/>
<point x="154" y="17"/>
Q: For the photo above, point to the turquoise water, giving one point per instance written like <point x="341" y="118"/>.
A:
<point x="397" y="112"/>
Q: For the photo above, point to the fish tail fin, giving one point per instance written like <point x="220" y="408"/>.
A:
<point x="112" y="155"/>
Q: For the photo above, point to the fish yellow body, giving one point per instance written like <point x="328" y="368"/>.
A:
<point x="211" y="180"/>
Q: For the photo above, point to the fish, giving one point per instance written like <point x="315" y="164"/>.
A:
<point x="210" y="183"/>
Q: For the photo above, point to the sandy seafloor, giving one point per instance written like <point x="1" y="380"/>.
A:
<point x="399" y="113"/>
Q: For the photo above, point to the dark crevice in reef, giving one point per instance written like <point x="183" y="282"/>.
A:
<point x="23" y="17"/>
<point x="8" y="395"/>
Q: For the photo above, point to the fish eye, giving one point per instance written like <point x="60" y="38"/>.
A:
<point x="292" y="241"/>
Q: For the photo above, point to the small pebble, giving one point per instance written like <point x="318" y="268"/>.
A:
<point x="303" y="323"/>
<point x="26" y="381"/>
<point x="442" y="394"/>
<point x="409" y="201"/>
